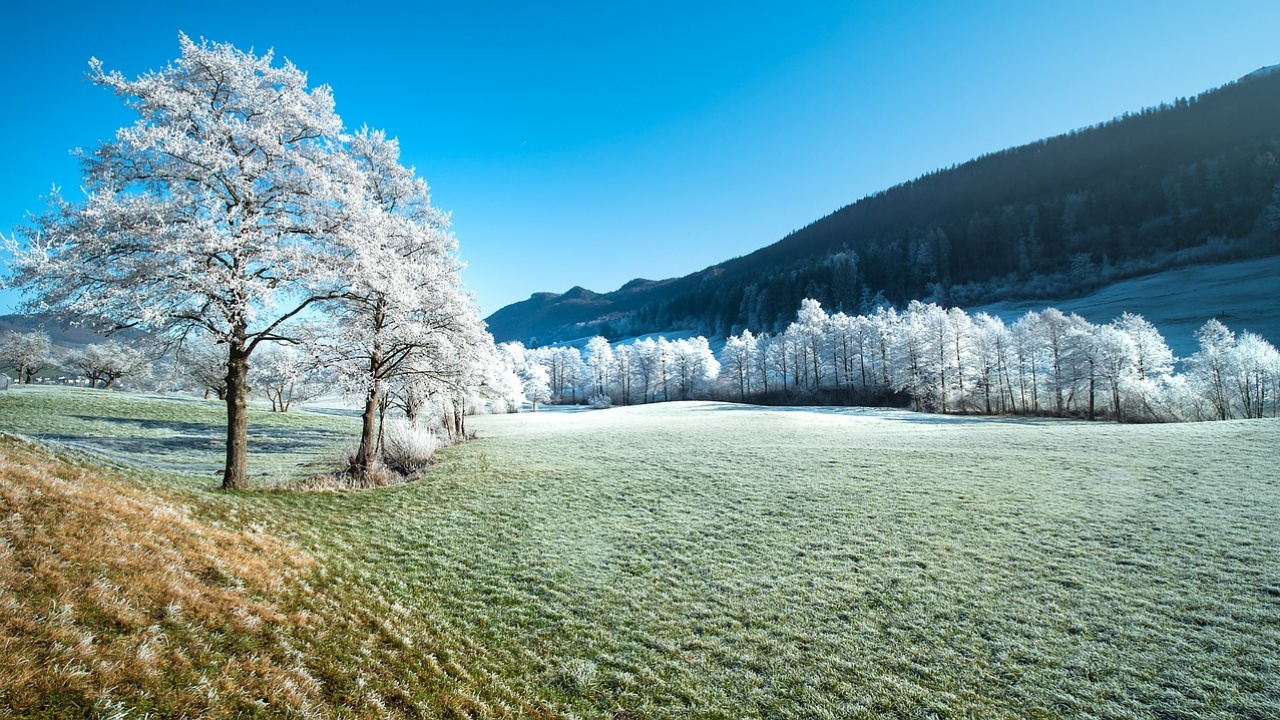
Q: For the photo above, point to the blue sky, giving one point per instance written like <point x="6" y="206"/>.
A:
<point x="587" y="144"/>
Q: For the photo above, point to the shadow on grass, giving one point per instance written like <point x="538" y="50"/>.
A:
<point x="174" y="426"/>
<point x="199" y="449"/>
<point x="884" y="414"/>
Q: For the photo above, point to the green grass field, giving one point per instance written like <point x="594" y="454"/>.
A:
<point x="701" y="560"/>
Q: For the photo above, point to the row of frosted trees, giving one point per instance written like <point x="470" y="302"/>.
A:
<point x="644" y="371"/>
<point x="935" y="359"/>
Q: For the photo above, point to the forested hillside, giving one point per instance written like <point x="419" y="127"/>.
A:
<point x="1194" y="181"/>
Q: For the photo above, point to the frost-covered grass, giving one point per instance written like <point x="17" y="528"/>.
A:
<point x="716" y="561"/>
<point x="708" y="560"/>
<point x="174" y="434"/>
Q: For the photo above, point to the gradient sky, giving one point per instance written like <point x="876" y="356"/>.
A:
<point x="589" y="143"/>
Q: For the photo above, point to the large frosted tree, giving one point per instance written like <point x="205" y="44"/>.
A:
<point x="212" y="214"/>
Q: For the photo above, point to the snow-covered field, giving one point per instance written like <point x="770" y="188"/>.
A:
<point x="1244" y="295"/>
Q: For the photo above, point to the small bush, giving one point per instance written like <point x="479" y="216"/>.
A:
<point x="600" y="402"/>
<point x="407" y="448"/>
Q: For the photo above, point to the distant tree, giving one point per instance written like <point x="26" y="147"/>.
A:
<point x="736" y="361"/>
<point x="1255" y="375"/>
<point x="107" y="362"/>
<point x="991" y="350"/>
<point x="535" y="384"/>
<point x="203" y="365"/>
<point x="1146" y="391"/>
<point x="403" y="310"/>
<point x="27" y="353"/>
<point x="624" y="359"/>
<point x="694" y="365"/>
<point x="1051" y="328"/>
<point x="808" y="337"/>
<point x="913" y="357"/>
<point x="565" y="370"/>
<point x="600" y="363"/>
<point x="1211" y="367"/>
<point x="646" y="367"/>
<point x="286" y="375"/>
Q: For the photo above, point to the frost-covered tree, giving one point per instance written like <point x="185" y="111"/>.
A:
<point x="1147" y="392"/>
<point x="913" y="356"/>
<point x="214" y="213"/>
<point x="107" y="362"/>
<point x="991" y="348"/>
<point x="624" y="371"/>
<point x="1115" y="355"/>
<point x="645" y="363"/>
<point x="506" y="389"/>
<point x="565" y="370"/>
<point x="27" y="353"/>
<point x="1052" y="328"/>
<point x="1256" y="375"/>
<point x="736" y="361"/>
<point x="693" y="365"/>
<point x="535" y="384"/>
<point x="600" y="364"/>
<point x="1211" y="367"/>
<point x="1028" y="352"/>
<point x="404" y="310"/>
<point x="807" y="337"/>
<point x="286" y="375"/>
<point x="202" y="365"/>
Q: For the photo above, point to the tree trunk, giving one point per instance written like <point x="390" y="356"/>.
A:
<point x="235" y="474"/>
<point x="368" y="429"/>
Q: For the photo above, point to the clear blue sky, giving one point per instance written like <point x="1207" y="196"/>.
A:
<point x="589" y="143"/>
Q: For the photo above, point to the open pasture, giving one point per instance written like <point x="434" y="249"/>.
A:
<point x="704" y="560"/>
<point x="713" y="560"/>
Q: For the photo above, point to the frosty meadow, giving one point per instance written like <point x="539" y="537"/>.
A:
<point x="582" y="530"/>
<point x="660" y="561"/>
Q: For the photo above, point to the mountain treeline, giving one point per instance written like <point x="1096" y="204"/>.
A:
<point x="1194" y="181"/>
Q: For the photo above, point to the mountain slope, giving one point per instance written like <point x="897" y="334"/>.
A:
<point x="1193" y="181"/>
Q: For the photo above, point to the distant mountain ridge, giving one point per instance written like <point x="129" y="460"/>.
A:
<point x="61" y="334"/>
<point x="1197" y="180"/>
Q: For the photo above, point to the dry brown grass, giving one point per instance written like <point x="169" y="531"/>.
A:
<point x="114" y="598"/>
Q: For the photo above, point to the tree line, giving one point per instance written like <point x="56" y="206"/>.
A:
<point x="932" y="359"/>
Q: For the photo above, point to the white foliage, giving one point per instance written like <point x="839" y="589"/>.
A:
<point x="107" y="362"/>
<point x="26" y="353"/>
<point x="213" y="210"/>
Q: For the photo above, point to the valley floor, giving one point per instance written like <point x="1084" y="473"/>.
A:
<point x="721" y="561"/>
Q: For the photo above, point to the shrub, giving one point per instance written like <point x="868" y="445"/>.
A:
<point x="407" y="448"/>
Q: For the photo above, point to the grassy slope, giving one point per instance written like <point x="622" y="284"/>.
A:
<point x="704" y="560"/>
<point x="1242" y="294"/>
<point x="112" y="598"/>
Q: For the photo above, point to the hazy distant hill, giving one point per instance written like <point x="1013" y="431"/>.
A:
<point x="1190" y="182"/>
<point x="62" y="335"/>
